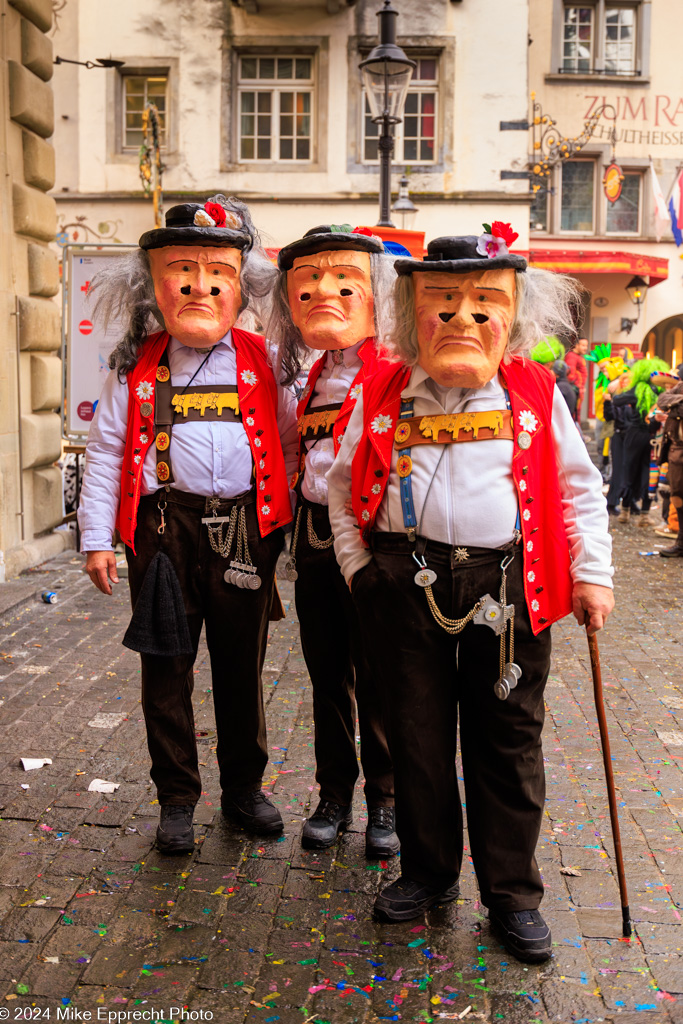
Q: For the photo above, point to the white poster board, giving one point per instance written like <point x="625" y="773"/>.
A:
<point x="85" y="346"/>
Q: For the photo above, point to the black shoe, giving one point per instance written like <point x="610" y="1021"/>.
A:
<point x="323" y="827"/>
<point x="253" y="811"/>
<point x="674" y="552"/>
<point x="380" y="836"/>
<point x="524" y="933"/>
<point x="175" y="833"/>
<point x="404" y="899"/>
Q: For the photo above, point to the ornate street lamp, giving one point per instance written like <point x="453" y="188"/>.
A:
<point x="637" y="290"/>
<point x="101" y="62"/>
<point x="386" y="76"/>
<point x="404" y="204"/>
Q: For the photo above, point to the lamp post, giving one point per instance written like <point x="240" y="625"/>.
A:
<point x="404" y="204"/>
<point x="637" y="290"/>
<point x="386" y="76"/>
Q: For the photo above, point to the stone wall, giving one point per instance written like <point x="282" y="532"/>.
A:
<point x="30" y="364"/>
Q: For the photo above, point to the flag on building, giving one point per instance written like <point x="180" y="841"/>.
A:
<point x="661" y="213"/>
<point x="676" y="208"/>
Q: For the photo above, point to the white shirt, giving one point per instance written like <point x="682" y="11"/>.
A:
<point x="331" y="387"/>
<point x="211" y="458"/>
<point x="464" y="494"/>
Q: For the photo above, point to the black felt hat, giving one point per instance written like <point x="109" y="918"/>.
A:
<point x="159" y="623"/>
<point x="184" y="227"/>
<point x="326" y="238"/>
<point x="458" y="255"/>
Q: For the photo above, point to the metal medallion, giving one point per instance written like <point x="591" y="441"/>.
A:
<point x="524" y="439"/>
<point x="291" y="573"/>
<point x="502" y="689"/>
<point x="253" y="581"/>
<point x="146" y="409"/>
<point x="228" y="575"/>
<point x="510" y="679"/>
<point x="514" y="668"/>
<point x="425" y="577"/>
<point x="240" y="579"/>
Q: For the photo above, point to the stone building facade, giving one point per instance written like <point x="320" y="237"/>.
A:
<point x="30" y="366"/>
<point x="621" y="57"/>
<point x="263" y="99"/>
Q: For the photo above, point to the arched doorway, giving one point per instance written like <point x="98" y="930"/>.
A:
<point x="665" y="340"/>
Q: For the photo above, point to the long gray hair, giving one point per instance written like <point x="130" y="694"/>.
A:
<point x="546" y="304"/>
<point x="124" y="292"/>
<point x="276" y="314"/>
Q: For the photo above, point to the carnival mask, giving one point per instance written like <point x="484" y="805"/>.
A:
<point x="330" y="296"/>
<point x="197" y="289"/>
<point x="463" y="324"/>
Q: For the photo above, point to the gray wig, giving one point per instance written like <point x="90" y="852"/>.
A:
<point x="286" y="337"/>
<point x="124" y="292"/>
<point x="546" y="304"/>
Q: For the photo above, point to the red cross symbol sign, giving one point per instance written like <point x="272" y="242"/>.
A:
<point x="84" y="287"/>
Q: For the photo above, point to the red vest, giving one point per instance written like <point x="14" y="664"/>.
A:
<point x="257" y="392"/>
<point x="547" y="580"/>
<point x="370" y="362"/>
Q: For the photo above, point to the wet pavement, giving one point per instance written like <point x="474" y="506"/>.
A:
<point x="96" y="925"/>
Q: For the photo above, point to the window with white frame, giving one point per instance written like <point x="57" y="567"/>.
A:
<point x="575" y="202"/>
<point x="275" y="99"/>
<point x="138" y="91"/>
<point x="623" y="217"/>
<point x="577" y="196"/>
<point x="600" y="37"/>
<point x="415" y="139"/>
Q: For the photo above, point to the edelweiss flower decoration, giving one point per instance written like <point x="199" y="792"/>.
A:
<point x="496" y="240"/>
<point x="381" y="424"/>
<point x="527" y="420"/>
<point x="144" y="390"/>
<point x="249" y="377"/>
<point x="356" y="392"/>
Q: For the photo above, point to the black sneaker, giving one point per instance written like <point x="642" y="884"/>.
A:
<point x="323" y="827"/>
<point x="380" y="836"/>
<point x="405" y="899"/>
<point x="253" y="811"/>
<point x="674" y="552"/>
<point x="524" y="933"/>
<point x="175" y="833"/>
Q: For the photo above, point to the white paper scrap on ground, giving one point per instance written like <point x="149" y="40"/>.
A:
<point x="29" y="763"/>
<point x="106" y="720"/>
<point x="672" y="739"/>
<point x="101" y="786"/>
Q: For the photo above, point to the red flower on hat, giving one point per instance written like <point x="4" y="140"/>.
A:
<point x="217" y="214"/>
<point x="362" y="231"/>
<point x="504" y="231"/>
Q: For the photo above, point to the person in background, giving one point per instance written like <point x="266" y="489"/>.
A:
<point x="636" y="405"/>
<point x="567" y="390"/>
<point x="671" y="403"/>
<point x="578" y="371"/>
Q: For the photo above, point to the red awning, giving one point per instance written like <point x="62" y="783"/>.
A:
<point x="598" y="261"/>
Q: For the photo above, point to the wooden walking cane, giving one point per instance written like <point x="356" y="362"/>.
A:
<point x="609" y="778"/>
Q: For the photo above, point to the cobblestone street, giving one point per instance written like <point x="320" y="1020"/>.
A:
<point x="94" y="919"/>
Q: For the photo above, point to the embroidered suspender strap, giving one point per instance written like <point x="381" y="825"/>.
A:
<point x="318" y="423"/>
<point x="404" y="467"/>
<point x="455" y="427"/>
<point x="163" y="421"/>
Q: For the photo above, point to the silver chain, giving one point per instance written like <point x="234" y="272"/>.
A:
<point x="313" y="539"/>
<point x="219" y="545"/>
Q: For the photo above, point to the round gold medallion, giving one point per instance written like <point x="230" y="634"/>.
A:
<point x="402" y="432"/>
<point x="163" y="373"/>
<point x="163" y="472"/>
<point x="404" y="466"/>
<point x="146" y="409"/>
<point x="524" y="439"/>
<point x="293" y="481"/>
<point x="162" y="441"/>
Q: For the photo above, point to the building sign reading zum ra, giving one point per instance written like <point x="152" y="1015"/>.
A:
<point x="642" y="121"/>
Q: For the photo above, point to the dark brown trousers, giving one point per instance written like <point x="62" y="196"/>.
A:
<point x="236" y="634"/>
<point x="339" y="671"/>
<point x="429" y="679"/>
